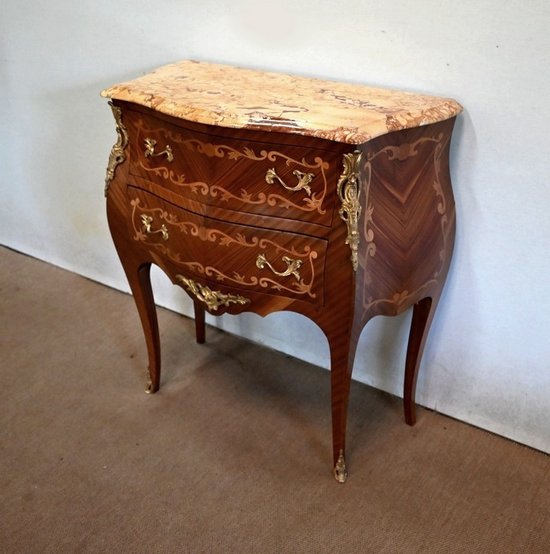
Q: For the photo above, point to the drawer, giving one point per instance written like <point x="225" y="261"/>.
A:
<point x="241" y="257"/>
<point x="254" y="177"/>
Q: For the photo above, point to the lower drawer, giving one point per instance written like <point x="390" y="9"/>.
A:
<point x="242" y="257"/>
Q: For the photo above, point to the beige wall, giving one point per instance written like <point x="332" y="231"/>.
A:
<point x="488" y="359"/>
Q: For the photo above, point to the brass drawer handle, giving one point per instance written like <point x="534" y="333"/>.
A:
<point x="147" y="220"/>
<point x="212" y="298"/>
<point x="150" y="150"/>
<point x="303" y="180"/>
<point x="292" y="266"/>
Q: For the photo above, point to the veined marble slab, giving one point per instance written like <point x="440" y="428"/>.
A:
<point x="239" y="98"/>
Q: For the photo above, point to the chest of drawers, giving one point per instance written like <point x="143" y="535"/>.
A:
<point x="262" y="192"/>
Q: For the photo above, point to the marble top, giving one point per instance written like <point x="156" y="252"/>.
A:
<point x="228" y="96"/>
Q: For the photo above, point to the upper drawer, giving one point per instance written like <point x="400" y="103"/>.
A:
<point x="237" y="256"/>
<point x="247" y="176"/>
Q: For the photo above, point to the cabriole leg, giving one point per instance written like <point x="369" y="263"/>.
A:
<point x="342" y="352"/>
<point x="199" y="321"/>
<point x="140" y="283"/>
<point x="423" y="312"/>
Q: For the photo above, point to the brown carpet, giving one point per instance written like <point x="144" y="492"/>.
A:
<point x="233" y="453"/>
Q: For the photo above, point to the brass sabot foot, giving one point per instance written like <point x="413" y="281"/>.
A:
<point x="340" y="471"/>
<point x="149" y="389"/>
